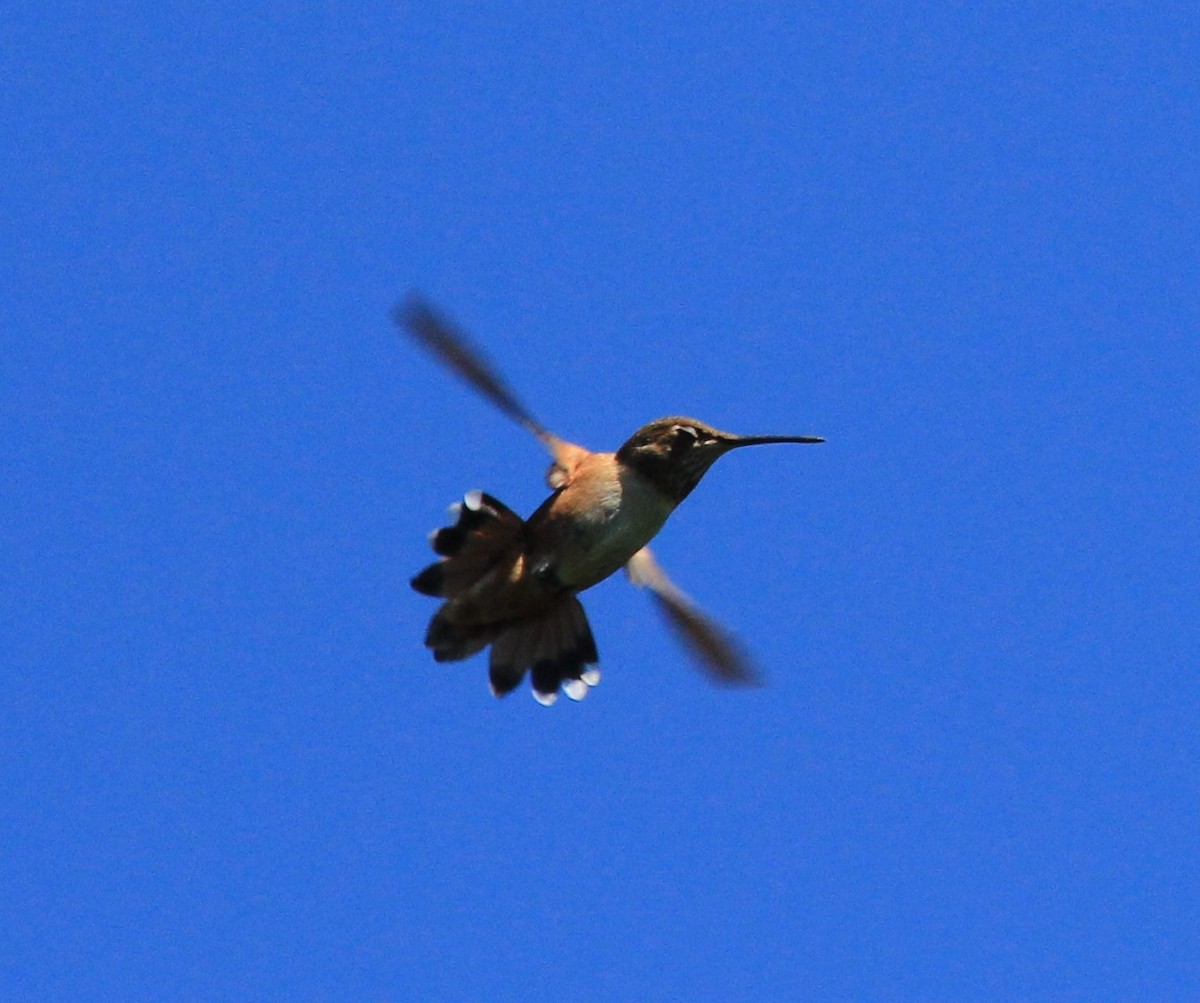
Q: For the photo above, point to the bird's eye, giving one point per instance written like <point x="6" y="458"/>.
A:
<point x="684" y="438"/>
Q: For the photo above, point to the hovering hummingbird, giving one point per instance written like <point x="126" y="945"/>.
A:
<point x="513" y="583"/>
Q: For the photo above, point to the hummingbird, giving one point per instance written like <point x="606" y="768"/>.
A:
<point x="514" y="583"/>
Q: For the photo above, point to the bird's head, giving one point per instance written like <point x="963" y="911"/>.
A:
<point x="674" y="454"/>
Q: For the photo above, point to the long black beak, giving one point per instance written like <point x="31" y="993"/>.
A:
<point x="736" y="441"/>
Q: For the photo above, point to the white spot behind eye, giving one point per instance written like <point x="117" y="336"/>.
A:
<point x="686" y="428"/>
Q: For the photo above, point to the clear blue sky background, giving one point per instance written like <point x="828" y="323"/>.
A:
<point x="960" y="242"/>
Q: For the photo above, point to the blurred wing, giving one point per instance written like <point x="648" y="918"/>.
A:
<point x="717" y="651"/>
<point x="453" y="349"/>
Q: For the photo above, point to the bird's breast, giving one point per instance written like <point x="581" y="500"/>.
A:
<point x="592" y="527"/>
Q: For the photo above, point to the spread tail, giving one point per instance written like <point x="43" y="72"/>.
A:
<point x="556" y="646"/>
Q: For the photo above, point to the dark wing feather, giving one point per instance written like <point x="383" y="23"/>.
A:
<point x="714" y="648"/>
<point x="451" y="346"/>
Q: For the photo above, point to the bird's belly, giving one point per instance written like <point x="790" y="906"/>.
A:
<point x="598" y="539"/>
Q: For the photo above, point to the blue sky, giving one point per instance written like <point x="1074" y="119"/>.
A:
<point x="960" y="242"/>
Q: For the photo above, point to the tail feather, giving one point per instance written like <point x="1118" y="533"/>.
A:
<point x="556" y="648"/>
<point x="484" y="531"/>
<point x="451" y="642"/>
